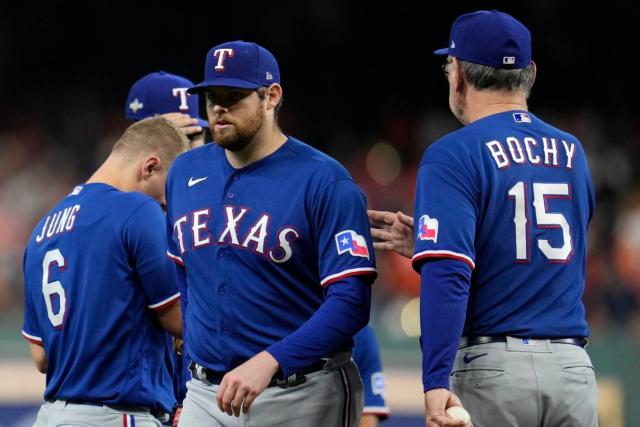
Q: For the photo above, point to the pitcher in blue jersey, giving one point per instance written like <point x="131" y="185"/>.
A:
<point x="500" y="227"/>
<point x="100" y="290"/>
<point x="275" y="241"/>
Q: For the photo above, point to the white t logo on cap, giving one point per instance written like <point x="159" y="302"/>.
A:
<point x="182" y="93"/>
<point x="222" y="54"/>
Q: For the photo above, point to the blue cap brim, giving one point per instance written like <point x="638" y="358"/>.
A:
<point x="444" y="51"/>
<point x="223" y="81"/>
<point x="202" y="123"/>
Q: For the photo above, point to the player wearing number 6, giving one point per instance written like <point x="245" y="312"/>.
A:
<point x="99" y="289"/>
<point x="501" y="214"/>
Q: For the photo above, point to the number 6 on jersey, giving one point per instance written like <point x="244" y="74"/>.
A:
<point x="544" y="219"/>
<point x="49" y="289"/>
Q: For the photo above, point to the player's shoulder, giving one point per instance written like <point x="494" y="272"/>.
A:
<point x="450" y="148"/>
<point x="553" y="131"/>
<point x="314" y="161"/>
<point x="195" y="155"/>
<point x="104" y="196"/>
<point x="131" y="199"/>
<point x="122" y="204"/>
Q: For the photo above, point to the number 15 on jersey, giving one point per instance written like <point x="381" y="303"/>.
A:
<point x="543" y="220"/>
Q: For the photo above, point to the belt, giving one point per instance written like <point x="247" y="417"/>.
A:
<point x="215" y="377"/>
<point x="477" y="340"/>
<point x="157" y="413"/>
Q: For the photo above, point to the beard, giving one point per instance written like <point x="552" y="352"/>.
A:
<point x="238" y="135"/>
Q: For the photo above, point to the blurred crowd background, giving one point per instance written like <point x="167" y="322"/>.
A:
<point x="360" y="84"/>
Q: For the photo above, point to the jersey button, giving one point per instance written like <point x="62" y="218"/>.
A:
<point x="221" y="291"/>
<point x="236" y="177"/>
<point x="230" y="195"/>
<point x="221" y="253"/>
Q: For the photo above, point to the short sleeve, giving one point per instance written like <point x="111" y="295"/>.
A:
<point x="445" y="213"/>
<point x="147" y="243"/>
<point x="30" y="328"/>
<point x="173" y="251"/>
<point x="342" y="233"/>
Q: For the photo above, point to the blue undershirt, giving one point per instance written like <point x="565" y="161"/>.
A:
<point x="343" y="313"/>
<point x="444" y="292"/>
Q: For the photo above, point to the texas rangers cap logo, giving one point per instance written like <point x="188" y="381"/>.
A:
<point x="428" y="228"/>
<point x="353" y="243"/>
<point x="222" y="55"/>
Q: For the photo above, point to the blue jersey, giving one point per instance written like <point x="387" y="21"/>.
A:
<point x="95" y="267"/>
<point x="180" y="362"/>
<point x="366" y="354"/>
<point x="260" y="243"/>
<point x="510" y="196"/>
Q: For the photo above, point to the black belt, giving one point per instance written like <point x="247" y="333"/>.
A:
<point x="215" y="377"/>
<point x="476" y="340"/>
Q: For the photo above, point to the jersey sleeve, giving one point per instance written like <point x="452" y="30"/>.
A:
<point x="366" y="355"/>
<point x="147" y="244"/>
<point x="173" y="252"/>
<point x="342" y="234"/>
<point x="446" y="211"/>
<point x="30" y="329"/>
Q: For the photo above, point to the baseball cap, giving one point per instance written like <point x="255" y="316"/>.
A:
<point x="491" y="38"/>
<point x="159" y="93"/>
<point x="238" y="64"/>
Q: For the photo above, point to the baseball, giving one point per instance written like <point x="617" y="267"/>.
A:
<point x="459" y="413"/>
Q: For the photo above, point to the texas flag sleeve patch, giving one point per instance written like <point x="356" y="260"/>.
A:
<point x="428" y="228"/>
<point x="353" y="243"/>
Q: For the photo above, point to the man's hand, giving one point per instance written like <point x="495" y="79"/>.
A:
<point x="436" y="401"/>
<point x="245" y="383"/>
<point x="393" y="232"/>
<point x="176" y="416"/>
<point x="185" y="122"/>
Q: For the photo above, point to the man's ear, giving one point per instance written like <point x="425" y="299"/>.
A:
<point x="274" y="94"/>
<point x="535" y="70"/>
<point x="150" y="166"/>
<point x="457" y="75"/>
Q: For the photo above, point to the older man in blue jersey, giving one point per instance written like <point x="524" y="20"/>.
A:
<point x="500" y="234"/>
<point x="100" y="291"/>
<point x="274" y="238"/>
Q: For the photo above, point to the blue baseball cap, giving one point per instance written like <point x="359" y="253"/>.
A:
<point x="490" y="38"/>
<point x="239" y="64"/>
<point x="159" y="93"/>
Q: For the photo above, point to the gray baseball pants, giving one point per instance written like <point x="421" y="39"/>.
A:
<point x="63" y="414"/>
<point x="332" y="397"/>
<point x="526" y="383"/>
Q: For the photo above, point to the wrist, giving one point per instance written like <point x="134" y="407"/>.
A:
<point x="271" y="362"/>
<point x="436" y="382"/>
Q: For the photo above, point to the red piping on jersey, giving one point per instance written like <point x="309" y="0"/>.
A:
<point x="348" y="274"/>
<point x="167" y="303"/>
<point x="33" y="340"/>
<point x="378" y="412"/>
<point x="175" y="258"/>
<point x="442" y="255"/>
